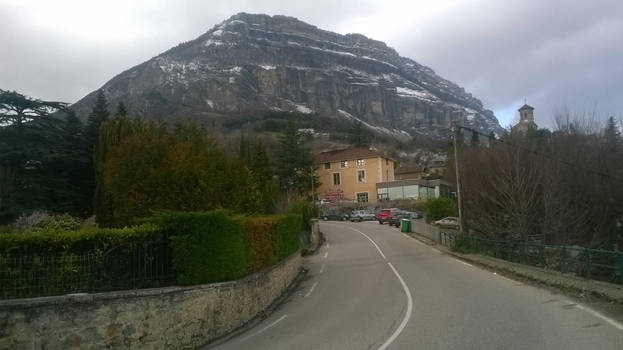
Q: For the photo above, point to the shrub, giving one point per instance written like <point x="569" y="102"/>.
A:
<point x="287" y="236"/>
<point x="206" y="246"/>
<point x="260" y="231"/>
<point x="438" y="208"/>
<point x="62" y="222"/>
<point x="54" y="261"/>
<point x="306" y="210"/>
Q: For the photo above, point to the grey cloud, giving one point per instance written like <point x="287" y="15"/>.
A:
<point x="556" y="54"/>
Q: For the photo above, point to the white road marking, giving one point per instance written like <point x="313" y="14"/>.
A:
<point x="407" y="316"/>
<point x="464" y="263"/>
<point x="326" y="254"/>
<point x="311" y="289"/>
<point x="265" y="328"/>
<point x="405" y="319"/>
<point x="436" y="251"/>
<point x="322" y="268"/>
<point x="587" y="309"/>
<point x="374" y="243"/>
<point x="328" y="245"/>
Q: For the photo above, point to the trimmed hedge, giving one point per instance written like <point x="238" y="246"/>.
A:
<point x="207" y="246"/>
<point x="170" y="247"/>
<point x="260" y="237"/>
<point x="57" y="242"/>
<point x="56" y="261"/>
<point x="216" y="246"/>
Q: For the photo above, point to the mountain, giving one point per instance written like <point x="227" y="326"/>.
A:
<point x="253" y="63"/>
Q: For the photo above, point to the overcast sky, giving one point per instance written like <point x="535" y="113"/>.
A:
<point x="557" y="54"/>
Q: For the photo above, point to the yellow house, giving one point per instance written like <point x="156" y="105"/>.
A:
<point x="352" y="174"/>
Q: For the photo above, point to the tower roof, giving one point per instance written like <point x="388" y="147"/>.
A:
<point x="524" y="107"/>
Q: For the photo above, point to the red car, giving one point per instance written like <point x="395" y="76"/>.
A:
<point x="384" y="214"/>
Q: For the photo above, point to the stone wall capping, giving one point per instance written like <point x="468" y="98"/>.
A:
<point x="168" y="317"/>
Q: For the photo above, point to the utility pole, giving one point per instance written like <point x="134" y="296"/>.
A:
<point x="387" y="182"/>
<point x="456" y="132"/>
<point x="311" y="168"/>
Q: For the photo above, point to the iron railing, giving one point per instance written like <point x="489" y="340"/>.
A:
<point x="133" y="265"/>
<point x="598" y="264"/>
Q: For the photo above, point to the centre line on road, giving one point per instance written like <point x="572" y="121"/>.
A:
<point x="322" y="268"/>
<point x="436" y="251"/>
<point x="405" y="319"/>
<point x="464" y="263"/>
<point x="407" y="316"/>
<point x="326" y="254"/>
<point x="311" y="289"/>
<point x="265" y="328"/>
<point x="370" y="239"/>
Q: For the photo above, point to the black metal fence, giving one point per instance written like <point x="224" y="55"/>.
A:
<point x="598" y="264"/>
<point x="133" y="265"/>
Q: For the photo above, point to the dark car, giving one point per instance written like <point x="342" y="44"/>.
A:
<point x="410" y="215"/>
<point x="394" y="218"/>
<point x="384" y="214"/>
<point x="334" y="215"/>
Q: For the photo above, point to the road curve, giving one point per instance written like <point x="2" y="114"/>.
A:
<point x="372" y="287"/>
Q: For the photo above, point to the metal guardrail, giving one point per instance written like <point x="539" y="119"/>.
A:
<point x="597" y="264"/>
<point x="133" y="265"/>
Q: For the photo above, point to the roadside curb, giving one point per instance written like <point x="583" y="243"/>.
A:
<point x="603" y="290"/>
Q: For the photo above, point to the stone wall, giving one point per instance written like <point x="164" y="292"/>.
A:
<point x="160" y="318"/>
<point x="429" y="231"/>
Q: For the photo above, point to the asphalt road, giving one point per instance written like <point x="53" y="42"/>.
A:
<point x="372" y="287"/>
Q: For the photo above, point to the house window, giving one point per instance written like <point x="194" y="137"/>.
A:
<point x="362" y="197"/>
<point x="361" y="176"/>
<point x="327" y="165"/>
<point x="344" y="164"/>
<point x="336" y="179"/>
<point x="361" y="162"/>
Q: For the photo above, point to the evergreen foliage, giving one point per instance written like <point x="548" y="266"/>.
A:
<point x="295" y="163"/>
<point x="439" y="208"/>
<point x="143" y="166"/>
<point x="41" y="162"/>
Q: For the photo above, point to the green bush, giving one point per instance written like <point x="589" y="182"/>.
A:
<point x="206" y="246"/>
<point x="260" y="231"/>
<point x="57" y="241"/>
<point x="287" y="236"/>
<point x="56" y="261"/>
<point x="306" y="210"/>
<point x="464" y="244"/>
<point x="439" y="208"/>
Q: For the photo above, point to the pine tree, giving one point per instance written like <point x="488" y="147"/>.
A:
<point x="295" y="163"/>
<point x="98" y="115"/>
<point x="121" y="110"/>
<point x="357" y="135"/>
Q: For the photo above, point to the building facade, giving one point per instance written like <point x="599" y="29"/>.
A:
<point x="352" y="174"/>
<point x="417" y="189"/>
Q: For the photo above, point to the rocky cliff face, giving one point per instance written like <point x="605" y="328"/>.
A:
<point x="258" y="62"/>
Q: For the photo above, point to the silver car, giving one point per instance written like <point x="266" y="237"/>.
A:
<point x="362" y="215"/>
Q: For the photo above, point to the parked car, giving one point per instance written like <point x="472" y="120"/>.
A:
<point x="411" y="215"/>
<point x="362" y="215"/>
<point x="384" y="214"/>
<point x="394" y="218"/>
<point x="334" y="215"/>
<point x="449" y="222"/>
